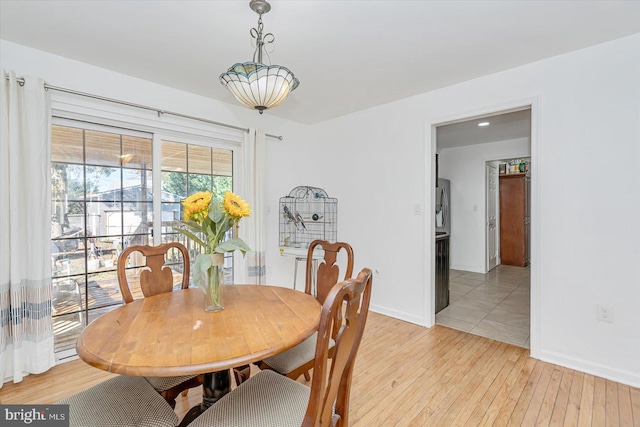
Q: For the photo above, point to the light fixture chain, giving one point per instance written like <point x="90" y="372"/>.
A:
<point x="261" y="40"/>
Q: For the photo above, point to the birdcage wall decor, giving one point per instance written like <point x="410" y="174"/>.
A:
<point x="307" y="214"/>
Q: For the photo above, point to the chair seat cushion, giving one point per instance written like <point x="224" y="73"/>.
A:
<point x="295" y="357"/>
<point x="165" y="383"/>
<point x="122" y="401"/>
<point x="267" y="399"/>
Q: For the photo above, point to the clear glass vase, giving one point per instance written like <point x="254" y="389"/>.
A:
<point x="215" y="279"/>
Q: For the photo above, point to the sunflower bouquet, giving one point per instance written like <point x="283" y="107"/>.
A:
<point x="206" y="222"/>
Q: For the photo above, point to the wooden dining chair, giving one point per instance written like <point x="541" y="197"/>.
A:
<point x="120" y="401"/>
<point x="300" y="359"/>
<point x="157" y="278"/>
<point x="271" y="400"/>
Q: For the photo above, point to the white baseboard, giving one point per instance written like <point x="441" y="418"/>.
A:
<point x="397" y="314"/>
<point x="471" y="268"/>
<point x="604" y="371"/>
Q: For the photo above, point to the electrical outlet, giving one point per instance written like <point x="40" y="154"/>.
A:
<point x="417" y="209"/>
<point x="604" y="313"/>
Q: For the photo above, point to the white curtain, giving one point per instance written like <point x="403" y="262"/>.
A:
<point x="26" y="328"/>
<point x="252" y="229"/>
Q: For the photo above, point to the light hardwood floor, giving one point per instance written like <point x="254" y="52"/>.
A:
<point x="408" y="375"/>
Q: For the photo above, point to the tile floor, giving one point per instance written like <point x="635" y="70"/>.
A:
<point x="494" y="305"/>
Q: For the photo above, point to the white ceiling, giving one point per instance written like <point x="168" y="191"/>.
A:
<point x="348" y="55"/>
<point x="502" y="127"/>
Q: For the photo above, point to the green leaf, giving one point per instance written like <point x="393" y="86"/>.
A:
<point x="199" y="272"/>
<point x="191" y="236"/>
<point x="232" y="245"/>
<point x="206" y="225"/>
<point x="216" y="213"/>
<point x="207" y="230"/>
<point x="192" y="225"/>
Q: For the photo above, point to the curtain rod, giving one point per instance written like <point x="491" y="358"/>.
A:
<point x="160" y="112"/>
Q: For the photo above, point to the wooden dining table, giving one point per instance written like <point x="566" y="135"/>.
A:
<point x="170" y="334"/>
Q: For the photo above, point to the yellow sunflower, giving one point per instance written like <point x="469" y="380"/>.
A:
<point x="235" y="206"/>
<point x="196" y="206"/>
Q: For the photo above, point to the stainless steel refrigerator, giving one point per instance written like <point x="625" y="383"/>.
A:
<point x="443" y="209"/>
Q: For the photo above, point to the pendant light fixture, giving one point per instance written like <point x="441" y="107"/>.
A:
<point x="254" y="84"/>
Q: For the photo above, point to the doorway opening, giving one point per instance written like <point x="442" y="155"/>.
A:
<point x="481" y="156"/>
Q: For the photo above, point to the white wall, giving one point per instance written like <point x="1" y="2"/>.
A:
<point x="377" y="162"/>
<point x="465" y="167"/>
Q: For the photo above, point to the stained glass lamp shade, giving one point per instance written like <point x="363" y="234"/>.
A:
<point x="259" y="86"/>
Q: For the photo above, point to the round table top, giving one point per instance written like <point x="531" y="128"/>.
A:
<point x="170" y="334"/>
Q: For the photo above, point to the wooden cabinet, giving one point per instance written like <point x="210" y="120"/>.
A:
<point x="514" y="219"/>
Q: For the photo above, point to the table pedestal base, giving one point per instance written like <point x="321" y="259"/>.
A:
<point x="214" y="386"/>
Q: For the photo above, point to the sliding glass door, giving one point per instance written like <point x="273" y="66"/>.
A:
<point x="103" y="201"/>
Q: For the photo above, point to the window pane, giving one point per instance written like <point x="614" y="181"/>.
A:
<point x="171" y="212"/>
<point x="199" y="159"/>
<point x="67" y="219"/>
<point x="67" y="181"/>
<point x="172" y="236"/>
<point x="67" y="257"/>
<point x="174" y="156"/>
<point x="75" y="217"/>
<point x="105" y="250"/>
<point x="102" y="290"/>
<point x="137" y="185"/>
<point x="67" y="311"/>
<point x="222" y="184"/>
<point x="199" y="183"/>
<point x="174" y="186"/>
<point x="104" y="218"/>
<point x="67" y="144"/>
<point x="137" y="217"/>
<point x="66" y="329"/>
<point x="222" y="162"/>
<point x="103" y="183"/>
<point x="65" y="296"/>
<point x="138" y="239"/>
<point x="136" y="152"/>
<point x="102" y="148"/>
